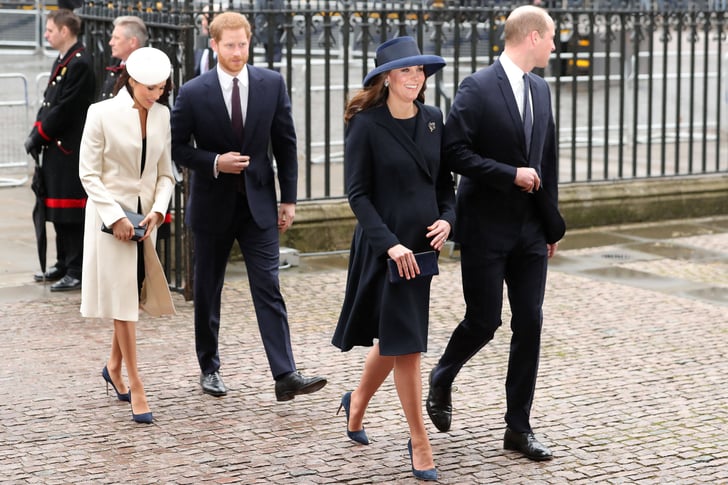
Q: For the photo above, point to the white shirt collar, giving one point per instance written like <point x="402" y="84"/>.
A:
<point x="226" y="80"/>
<point x="515" y="79"/>
<point x="514" y="73"/>
<point x="226" y="85"/>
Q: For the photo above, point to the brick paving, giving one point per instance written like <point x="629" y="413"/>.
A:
<point x="631" y="388"/>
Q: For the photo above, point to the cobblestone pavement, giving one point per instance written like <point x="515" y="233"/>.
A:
<point x="631" y="387"/>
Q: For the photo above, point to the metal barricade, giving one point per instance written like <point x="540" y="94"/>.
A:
<point x="15" y="113"/>
<point x="20" y="27"/>
<point x="41" y="83"/>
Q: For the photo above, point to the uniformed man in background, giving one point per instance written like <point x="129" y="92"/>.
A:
<point x="56" y="138"/>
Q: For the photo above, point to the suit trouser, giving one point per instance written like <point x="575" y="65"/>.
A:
<point x="523" y="268"/>
<point x="69" y="248"/>
<point x="260" y="249"/>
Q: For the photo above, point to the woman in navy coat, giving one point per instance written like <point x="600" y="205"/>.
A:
<point x="404" y="204"/>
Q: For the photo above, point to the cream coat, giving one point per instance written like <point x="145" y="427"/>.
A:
<point x="109" y="167"/>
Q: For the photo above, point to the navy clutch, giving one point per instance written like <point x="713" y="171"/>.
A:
<point x="427" y="262"/>
<point x="135" y="220"/>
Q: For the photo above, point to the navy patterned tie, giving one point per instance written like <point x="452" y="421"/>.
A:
<point x="527" y="116"/>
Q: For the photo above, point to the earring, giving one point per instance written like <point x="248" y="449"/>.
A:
<point x="386" y="83"/>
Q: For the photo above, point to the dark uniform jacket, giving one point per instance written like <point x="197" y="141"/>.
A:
<point x="57" y="132"/>
<point x="111" y="74"/>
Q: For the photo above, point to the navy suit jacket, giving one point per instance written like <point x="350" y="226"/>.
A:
<point x="484" y="142"/>
<point x="199" y="115"/>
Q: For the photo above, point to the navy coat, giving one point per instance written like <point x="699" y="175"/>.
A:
<point x="484" y="142"/>
<point x="396" y="188"/>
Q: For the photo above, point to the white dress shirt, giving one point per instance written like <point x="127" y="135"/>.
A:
<point x="226" y="84"/>
<point x="515" y="78"/>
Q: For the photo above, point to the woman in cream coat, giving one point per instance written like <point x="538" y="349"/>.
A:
<point x="118" y="174"/>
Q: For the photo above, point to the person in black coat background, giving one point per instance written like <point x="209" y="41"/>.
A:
<point x="500" y="137"/>
<point x="57" y="134"/>
<point x="403" y="199"/>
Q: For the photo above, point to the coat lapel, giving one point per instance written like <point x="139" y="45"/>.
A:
<point x="128" y="118"/>
<point x="256" y="102"/>
<point x="217" y="104"/>
<point x="511" y="106"/>
<point x="540" y="102"/>
<point x="422" y="135"/>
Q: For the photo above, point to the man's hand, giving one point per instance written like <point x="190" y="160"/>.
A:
<point x="551" y="249"/>
<point x="232" y="162"/>
<point x="286" y="213"/>
<point x="527" y="179"/>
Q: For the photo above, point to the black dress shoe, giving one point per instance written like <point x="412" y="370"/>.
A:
<point x="51" y="274"/>
<point x="67" y="283"/>
<point x="293" y="384"/>
<point x="526" y="444"/>
<point x="439" y="405"/>
<point x="212" y="384"/>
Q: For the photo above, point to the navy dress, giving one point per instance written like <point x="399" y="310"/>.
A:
<point x="396" y="187"/>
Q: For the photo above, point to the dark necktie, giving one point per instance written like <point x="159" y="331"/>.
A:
<point x="237" y="114"/>
<point x="527" y="117"/>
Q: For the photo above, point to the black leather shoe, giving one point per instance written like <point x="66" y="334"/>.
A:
<point x="67" y="283"/>
<point x="293" y="384"/>
<point x="527" y="445"/>
<point x="439" y="405"/>
<point x="51" y="274"/>
<point x="212" y="384"/>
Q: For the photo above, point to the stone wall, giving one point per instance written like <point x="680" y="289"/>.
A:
<point x="328" y="225"/>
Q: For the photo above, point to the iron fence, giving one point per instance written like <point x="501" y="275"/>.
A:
<point x="637" y="92"/>
<point x="638" y="88"/>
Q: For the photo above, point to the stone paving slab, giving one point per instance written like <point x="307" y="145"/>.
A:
<point x="631" y="390"/>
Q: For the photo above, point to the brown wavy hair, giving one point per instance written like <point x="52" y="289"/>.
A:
<point x="375" y="94"/>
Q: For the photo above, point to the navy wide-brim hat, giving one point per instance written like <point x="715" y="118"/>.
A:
<point x="402" y="52"/>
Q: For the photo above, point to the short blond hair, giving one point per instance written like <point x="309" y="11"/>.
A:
<point x="524" y="20"/>
<point x="228" y="21"/>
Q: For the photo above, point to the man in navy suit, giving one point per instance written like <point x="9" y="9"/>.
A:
<point x="234" y="113"/>
<point x="500" y="137"/>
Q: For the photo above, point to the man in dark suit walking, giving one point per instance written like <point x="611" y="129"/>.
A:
<point x="234" y="113"/>
<point x="500" y="137"/>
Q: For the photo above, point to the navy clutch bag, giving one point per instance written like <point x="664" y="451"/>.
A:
<point x="427" y="261"/>
<point x="135" y="220"/>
